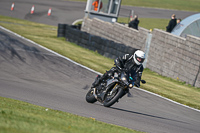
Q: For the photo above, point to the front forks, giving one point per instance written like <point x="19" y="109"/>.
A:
<point x="114" y="89"/>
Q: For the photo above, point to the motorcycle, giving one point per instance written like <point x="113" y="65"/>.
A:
<point x="109" y="91"/>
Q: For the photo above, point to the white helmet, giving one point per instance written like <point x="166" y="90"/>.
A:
<point x="139" y="57"/>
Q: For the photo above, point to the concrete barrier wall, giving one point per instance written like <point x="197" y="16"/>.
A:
<point x="116" y="32"/>
<point x="175" y="57"/>
<point x="169" y="55"/>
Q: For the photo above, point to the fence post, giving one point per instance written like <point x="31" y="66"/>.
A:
<point x="147" y="47"/>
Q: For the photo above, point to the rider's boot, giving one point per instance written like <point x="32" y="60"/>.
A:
<point x="99" y="80"/>
<point x="96" y="83"/>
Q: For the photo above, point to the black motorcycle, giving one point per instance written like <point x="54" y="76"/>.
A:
<point x="112" y="89"/>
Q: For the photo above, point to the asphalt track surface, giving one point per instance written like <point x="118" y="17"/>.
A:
<point x="68" y="11"/>
<point x="36" y="75"/>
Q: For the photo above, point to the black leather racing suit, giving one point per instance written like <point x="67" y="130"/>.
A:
<point x="125" y="62"/>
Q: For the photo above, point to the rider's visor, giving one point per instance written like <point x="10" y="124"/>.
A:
<point x="141" y="60"/>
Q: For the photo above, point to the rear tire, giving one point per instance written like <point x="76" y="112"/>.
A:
<point x="90" y="97"/>
<point x="109" y="102"/>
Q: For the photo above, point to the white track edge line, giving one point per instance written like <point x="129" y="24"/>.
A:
<point x="92" y="69"/>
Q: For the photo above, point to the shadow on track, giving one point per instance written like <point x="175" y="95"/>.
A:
<point x="148" y="115"/>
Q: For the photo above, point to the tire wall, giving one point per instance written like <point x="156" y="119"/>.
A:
<point x="61" y="30"/>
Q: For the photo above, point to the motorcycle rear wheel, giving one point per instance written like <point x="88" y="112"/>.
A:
<point x="90" y="97"/>
<point x="111" y="99"/>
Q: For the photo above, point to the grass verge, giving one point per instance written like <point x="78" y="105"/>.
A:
<point x="20" y="117"/>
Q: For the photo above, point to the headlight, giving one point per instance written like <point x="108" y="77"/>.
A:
<point x="123" y="78"/>
<point x="130" y="85"/>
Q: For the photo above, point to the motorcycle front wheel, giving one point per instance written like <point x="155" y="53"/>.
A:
<point x="110" y="99"/>
<point x="90" y="97"/>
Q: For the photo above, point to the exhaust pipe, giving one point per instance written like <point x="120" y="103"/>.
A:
<point x="94" y="93"/>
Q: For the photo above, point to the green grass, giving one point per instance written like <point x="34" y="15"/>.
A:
<point x="46" y="35"/>
<point x="172" y="89"/>
<point x="22" y="117"/>
<point x="185" y="5"/>
<point x="149" y="23"/>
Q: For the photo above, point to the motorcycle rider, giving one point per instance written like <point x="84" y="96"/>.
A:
<point x="132" y="64"/>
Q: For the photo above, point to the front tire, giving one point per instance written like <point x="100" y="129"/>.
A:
<point x="90" y="97"/>
<point x="111" y="99"/>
